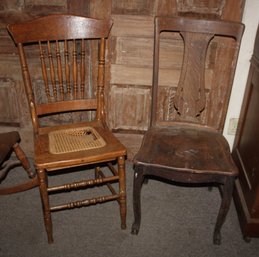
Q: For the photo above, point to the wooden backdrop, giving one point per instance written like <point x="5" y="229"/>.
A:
<point x="129" y="65"/>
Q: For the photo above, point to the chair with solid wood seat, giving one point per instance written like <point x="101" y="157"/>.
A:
<point x="188" y="146"/>
<point x="65" y="91"/>
<point x="9" y="143"/>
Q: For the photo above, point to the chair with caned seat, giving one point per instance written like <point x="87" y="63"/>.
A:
<point x="64" y="80"/>
<point x="185" y="144"/>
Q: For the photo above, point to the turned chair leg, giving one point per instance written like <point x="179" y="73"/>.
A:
<point x="45" y="203"/>
<point x="97" y="172"/>
<point x="24" y="160"/>
<point x="137" y="184"/>
<point x="224" y="208"/>
<point x="122" y="190"/>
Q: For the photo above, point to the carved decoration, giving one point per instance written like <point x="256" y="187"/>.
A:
<point x="189" y="99"/>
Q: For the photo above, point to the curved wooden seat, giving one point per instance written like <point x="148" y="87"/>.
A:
<point x="192" y="150"/>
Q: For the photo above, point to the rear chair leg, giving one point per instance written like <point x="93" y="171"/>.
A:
<point x="122" y="190"/>
<point x="96" y="172"/>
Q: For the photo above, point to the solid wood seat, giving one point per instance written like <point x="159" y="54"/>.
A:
<point x="63" y="66"/>
<point x="191" y="149"/>
<point x="185" y="143"/>
<point x="9" y="143"/>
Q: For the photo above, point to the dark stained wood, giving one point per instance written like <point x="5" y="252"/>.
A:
<point x="9" y="143"/>
<point x="185" y="149"/>
<point x="63" y="47"/>
<point x="246" y="150"/>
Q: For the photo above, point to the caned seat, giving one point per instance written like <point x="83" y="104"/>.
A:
<point x="64" y="78"/>
<point x="187" y="145"/>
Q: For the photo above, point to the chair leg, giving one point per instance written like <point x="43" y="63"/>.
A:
<point x="224" y="208"/>
<point x="24" y="160"/>
<point x="97" y="172"/>
<point x="122" y="189"/>
<point x="137" y="184"/>
<point x="45" y="203"/>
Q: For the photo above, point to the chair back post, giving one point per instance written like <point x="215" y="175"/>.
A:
<point x="154" y="115"/>
<point x="28" y="88"/>
<point x="100" y="116"/>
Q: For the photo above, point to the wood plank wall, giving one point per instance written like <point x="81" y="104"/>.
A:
<point x="131" y="47"/>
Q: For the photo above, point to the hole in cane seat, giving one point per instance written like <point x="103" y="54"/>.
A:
<point x="73" y="140"/>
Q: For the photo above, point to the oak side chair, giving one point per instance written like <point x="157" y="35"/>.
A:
<point x="189" y="147"/>
<point x="10" y="143"/>
<point x="66" y="83"/>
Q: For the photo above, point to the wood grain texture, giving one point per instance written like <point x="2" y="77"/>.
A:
<point x="133" y="100"/>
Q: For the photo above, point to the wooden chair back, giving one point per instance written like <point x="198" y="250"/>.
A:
<point x="203" y="92"/>
<point x="65" y="48"/>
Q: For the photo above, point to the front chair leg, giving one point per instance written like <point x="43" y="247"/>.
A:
<point x="224" y="208"/>
<point x="45" y="203"/>
<point x="97" y="172"/>
<point x="137" y="184"/>
<point x="122" y="190"/>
